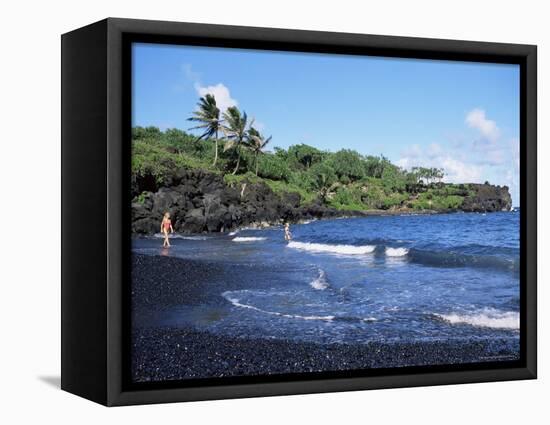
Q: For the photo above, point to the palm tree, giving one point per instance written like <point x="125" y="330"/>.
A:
<point x="208" y="114"/>
<point x="235" y="129"/>
<point x="257" y="143"/>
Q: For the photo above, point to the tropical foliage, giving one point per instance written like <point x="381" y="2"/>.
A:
<point x="344" y="179"/>
<point x="208" y="115"/>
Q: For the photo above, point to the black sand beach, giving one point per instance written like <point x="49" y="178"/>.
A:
<point x="170" y="353"/>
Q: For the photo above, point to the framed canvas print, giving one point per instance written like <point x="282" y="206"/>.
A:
<point x="253" y="212"/>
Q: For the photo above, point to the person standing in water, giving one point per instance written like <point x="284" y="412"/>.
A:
<point x="288" y="235"/>
<point x="166" y="226"/>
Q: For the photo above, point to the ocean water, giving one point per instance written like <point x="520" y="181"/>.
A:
<point x="387" y="278"/>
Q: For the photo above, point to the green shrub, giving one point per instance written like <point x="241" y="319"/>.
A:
<point x="303" y="156"/>
<point x="151" y="158"/>
<point x="281" y="187"/>
<point x="322" y="176"/>
<point x="393" y="179"/>
<point x="273" y="167"/>
<point x="237" y="179"/>
<point x="347" y="163"/>
<point x="394" y="200"/>
<point x="348" y="198"/>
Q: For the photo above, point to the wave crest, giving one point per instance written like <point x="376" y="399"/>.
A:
<point x="248" y="239"/>
<point x="396" y="252"/>
<point x="332" y="249"/>
<point x="486" y="318"/>
<point x="457" y="259"/>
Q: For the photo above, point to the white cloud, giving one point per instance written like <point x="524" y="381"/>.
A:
<point x="220" y="92"/>
<point x="495" y="156"/>
<point x="477" y="119"/>
<point x="406" y="163"/>
<point x="413" y="151"/>
<point x="434" y="150"/>
<point x="489" y="158"/>
<point x="457" y="171"/>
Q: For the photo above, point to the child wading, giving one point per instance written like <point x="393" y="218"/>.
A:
<point x="166" y="226"/>
<point x="288" y="235"/>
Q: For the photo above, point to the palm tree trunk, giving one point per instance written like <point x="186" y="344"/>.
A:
<point x="238" y="161"/>
<point x="216" y="149"/>
<point x="256" y="164"/>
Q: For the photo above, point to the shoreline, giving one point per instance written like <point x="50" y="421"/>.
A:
<point x="163" y="352"/>
<point x="354" y="214"/>
<point x="200" y="202"/>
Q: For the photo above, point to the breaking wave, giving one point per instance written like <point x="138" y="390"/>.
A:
<point x="396" y="252"/>
<point x="248" y="239"/>
<point x="487" y="318"/>
<point x="332" y="249"/>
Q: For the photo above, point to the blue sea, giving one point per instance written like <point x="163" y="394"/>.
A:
<point x="355" y="280"/>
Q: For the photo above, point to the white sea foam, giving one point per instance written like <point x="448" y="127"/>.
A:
<point x="236" y="302"/>
<point x="320" y="282"/>
<point x="247" y="239"/>
<point x="487" y="317"/>
<point x="170" y="236"/>
<point x="233" y="233"/>
<point x="332" y="249"/>
<point x="396" y="252"/>
<point x="178" y="236"/>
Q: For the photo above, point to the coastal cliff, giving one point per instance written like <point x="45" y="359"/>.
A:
<point x="202" y="201"/>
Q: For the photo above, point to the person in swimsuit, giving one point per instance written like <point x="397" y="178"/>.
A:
<point x="166" y="226"/>
<point x="288" y="235"/>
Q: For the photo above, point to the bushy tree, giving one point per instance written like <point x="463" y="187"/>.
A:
<point x="394" y="179"/>
<point x="374" y="166"/>
<point x="347" y="163"/>
<point x="139" y="133"/>
<point x="323" y="177"/>
<point x="305" y="155"/>
<point x="272" y="167"/>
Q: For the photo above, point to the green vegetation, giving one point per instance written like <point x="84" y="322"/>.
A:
<point x="345" y="180"/>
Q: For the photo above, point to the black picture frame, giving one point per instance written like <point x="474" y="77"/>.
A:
<point x="96" y="91"/>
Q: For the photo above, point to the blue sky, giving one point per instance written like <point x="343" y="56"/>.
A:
<point x="463" y="117"/>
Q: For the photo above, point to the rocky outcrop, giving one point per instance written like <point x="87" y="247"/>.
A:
<point x="487" y="198"/>
<point x="200" y="201"/>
